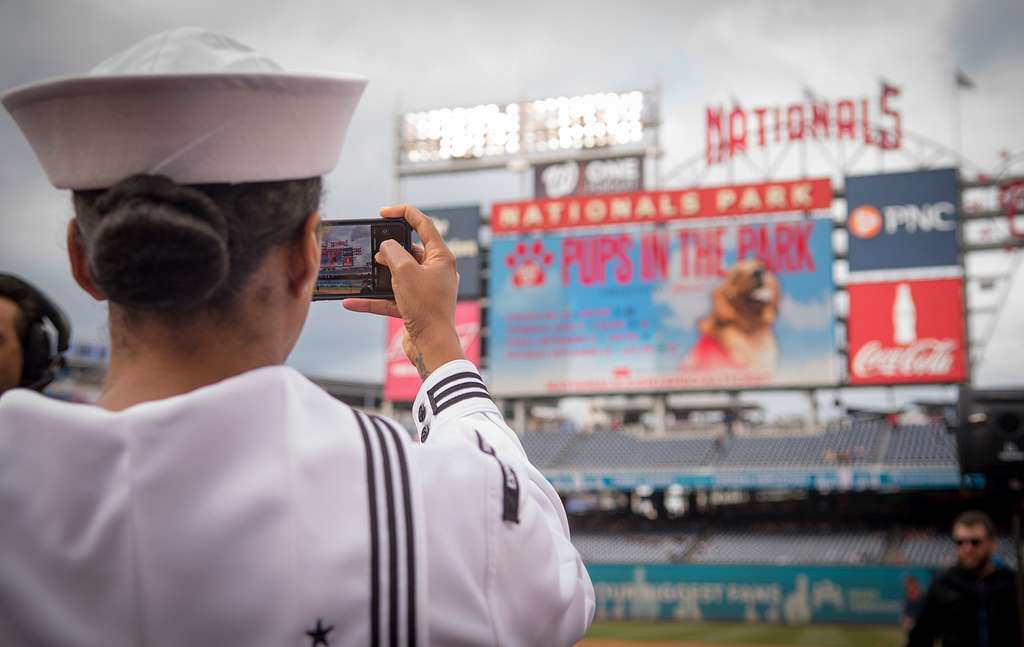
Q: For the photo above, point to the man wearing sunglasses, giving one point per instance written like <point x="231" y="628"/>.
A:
<point x="975" y="602"/>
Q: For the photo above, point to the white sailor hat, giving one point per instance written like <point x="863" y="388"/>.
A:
<point x="191" y="104"/>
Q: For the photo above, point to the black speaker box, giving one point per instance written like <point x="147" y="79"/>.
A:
<point x="990" y="436"/>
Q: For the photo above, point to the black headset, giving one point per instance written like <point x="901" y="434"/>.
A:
<point x="41" y="357"/>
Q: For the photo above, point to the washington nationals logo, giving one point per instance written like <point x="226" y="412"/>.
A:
<point x="527" y="263"/>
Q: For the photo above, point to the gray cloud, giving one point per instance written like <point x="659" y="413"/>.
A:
<point x="423" y="55"/>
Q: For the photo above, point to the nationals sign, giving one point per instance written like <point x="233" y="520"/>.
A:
<point x="874" y="122"/>
<point x="660" y="206"/>
<point x="402" y="380"/>
<point x="906" y="332"/>
<point x="733" y="303"/>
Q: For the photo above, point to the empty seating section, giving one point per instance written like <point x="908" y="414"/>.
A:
<point x="860" y="443"/>
<point x="919" y="548"/>
<point x="614" y="449"/>
<point x="633" y="548"/>
<point x="938" y="550"/>
<point x="930" y="550"/>
<point x="856" y="445"/>
<point x="790" y="548"/>
<point x="921" y="444"/>
<point x="544" y="447"/>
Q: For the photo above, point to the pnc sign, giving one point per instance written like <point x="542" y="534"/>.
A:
<point x="902" y="220"/>
<point x="867" y="222"/>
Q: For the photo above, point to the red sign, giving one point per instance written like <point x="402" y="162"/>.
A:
<point x="1011" y="197"/>
<point x="735" y="131"/>
<point x="660" y="206"/>
<point x="906" y="332"/>
<point x="402" y="380"/>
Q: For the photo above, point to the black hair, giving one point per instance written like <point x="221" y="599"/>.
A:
<point x="156" y="246"/>
<point x="27" y="303"/>
<point x="976" y="518"/>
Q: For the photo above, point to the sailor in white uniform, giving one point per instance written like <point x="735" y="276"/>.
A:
<point x="250" y="507"/>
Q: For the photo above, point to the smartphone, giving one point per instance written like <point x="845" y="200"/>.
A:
<point x="347" y="268"/>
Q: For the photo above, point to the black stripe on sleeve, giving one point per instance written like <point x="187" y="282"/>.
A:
<point x="371" y="488"/>
<point x="452" y="378"/>
<point x="459" y="398"/>
<point x="410" y="536"/>
<point x="462" y="386"/>
<point x="434" y="394"/>
<point x="392" y="544"/>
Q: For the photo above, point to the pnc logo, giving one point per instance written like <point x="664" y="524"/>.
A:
<point x="527" y="263"/>
<point x="865" y="221"/>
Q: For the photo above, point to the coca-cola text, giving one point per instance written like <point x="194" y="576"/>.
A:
<point x="923" y="358"/>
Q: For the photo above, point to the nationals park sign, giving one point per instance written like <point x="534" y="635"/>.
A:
<point x="661" y="206"/>
<point x="586" y="297"/>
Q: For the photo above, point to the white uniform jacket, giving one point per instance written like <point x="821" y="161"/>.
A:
<point x="261" y="511"/>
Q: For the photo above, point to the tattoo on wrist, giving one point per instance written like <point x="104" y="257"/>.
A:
<point x="420" y="366"/>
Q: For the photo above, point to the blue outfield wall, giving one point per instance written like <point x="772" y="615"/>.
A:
<point x="866" y="478"/>
<point x="753" y="593"/>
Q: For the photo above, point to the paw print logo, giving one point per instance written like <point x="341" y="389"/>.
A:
<point x="528" y="263"/>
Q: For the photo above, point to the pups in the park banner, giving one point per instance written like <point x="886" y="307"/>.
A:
<point x="742" y="302"/>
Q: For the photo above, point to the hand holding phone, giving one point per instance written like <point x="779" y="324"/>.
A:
<point x="425" y="290"/>
<point x="347" y="250"/>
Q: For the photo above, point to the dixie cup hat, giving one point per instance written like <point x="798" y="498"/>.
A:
<point x="191" y="104"/>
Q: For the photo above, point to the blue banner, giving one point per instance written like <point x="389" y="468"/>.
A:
<point x="754" y="593"/>
<point x="902" y="220"/>
<point x="824" y="479"/>
<point x="736" y="302"/>
<point x="460" y="227"/>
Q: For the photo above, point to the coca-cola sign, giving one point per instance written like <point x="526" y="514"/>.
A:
<point x="923" y="357"/>
<point x="402" y="380"/>
<point x="903" y="332"/>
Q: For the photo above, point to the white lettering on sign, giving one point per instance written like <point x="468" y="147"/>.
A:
<point x="940" y="216"/>
<point x="925" y="357"/>
<point x="441" y="224"/>
<point x="615" y="170"/>
<point x="464" y="248"/>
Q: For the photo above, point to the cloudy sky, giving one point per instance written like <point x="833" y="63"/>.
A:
<point x="421" y="55"/>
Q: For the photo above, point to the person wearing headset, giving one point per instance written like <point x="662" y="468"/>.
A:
<point x="29" y="358"/>
<point x="213" y="495"/>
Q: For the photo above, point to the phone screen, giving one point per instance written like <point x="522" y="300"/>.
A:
<point x="347" y="268"/>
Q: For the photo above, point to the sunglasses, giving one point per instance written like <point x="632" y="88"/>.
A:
<point x="972" y="542"/>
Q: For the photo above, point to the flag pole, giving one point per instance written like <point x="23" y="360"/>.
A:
<point x="958" y="142"/>
<point x="960" y="82"/>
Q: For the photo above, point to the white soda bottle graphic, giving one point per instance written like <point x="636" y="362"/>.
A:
<point x="904" y="316"/>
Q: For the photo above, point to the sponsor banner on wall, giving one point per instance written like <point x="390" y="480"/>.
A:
<point x="586" y="177"/>
<point x="401" y="379"/>
<point x="460" y="227"/>
<point x="902" y="220"/>
<point x="824" y="479"/>
<point x="906" y="332"/>
<point x="792" y="594"/>
<point x="735" y="303"/>
<point x="660" y="206"/>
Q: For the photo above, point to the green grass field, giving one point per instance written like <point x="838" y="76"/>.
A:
<point x="710" y="633"/>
